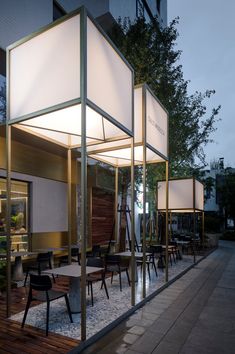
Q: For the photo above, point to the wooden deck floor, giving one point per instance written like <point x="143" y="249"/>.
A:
<point x="31" y="340"/>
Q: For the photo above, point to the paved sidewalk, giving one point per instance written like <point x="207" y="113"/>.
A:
<point x="196" y="314"/>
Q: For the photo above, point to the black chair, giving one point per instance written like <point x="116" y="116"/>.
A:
<point x="94" y="277"/>
<point x="43" y="262"/>
<point x="113" y="264"/>
<point x="176" y="250"/>
<point x="160" y="256"/>
<point x="44" y="292"/>
<point x="75" y="257"/>
<point x="150" y="260"/>
<point x="95" y="252"/>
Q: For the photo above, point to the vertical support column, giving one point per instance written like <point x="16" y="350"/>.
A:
<point x="8" y="219"/>
<point x="203" y="230"/>
<point x="144" y="221"/>
<point x="69" y="183"/>
<point x="167" y="198"/>
<point x="83" y="60"/>
<point x="133" y="265"/>
<point x="116" y="206"/>
<point x="170" y="238"/>
<point x="194" y="223"/>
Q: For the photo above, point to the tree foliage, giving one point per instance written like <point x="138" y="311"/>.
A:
<point x="2" y="103"/>
<point x="152" y="53"/>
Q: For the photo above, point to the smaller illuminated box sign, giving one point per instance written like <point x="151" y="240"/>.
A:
<point x="185" y="195"/>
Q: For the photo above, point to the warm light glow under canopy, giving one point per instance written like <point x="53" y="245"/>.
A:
<point x="185" y="195"/>
<point x="149" y="116"/>
<point x="49" y="73"/>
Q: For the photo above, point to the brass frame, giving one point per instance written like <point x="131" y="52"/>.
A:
<point x="84" y="101"/>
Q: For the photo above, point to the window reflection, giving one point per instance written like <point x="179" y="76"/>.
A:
<point x="19" y="214"/>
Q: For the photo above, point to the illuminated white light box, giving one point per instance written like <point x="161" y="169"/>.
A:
<point x="55" y="69"/>
<point x="150" y="117"/>
<point x="185" y="195"/>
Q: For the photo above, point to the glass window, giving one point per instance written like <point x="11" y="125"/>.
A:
<point x="19" y="214"/>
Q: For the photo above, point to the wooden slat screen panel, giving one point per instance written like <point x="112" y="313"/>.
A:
<point x="102" y="215"/>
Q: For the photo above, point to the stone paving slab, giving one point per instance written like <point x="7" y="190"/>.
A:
<point x="196" y="314"/>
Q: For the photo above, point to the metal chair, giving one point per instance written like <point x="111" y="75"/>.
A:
<point x="113" y="264"/>
<point x="75" y="257"/>
<point x="43" y="262"/>
<point x="94" y="277"/>
<point x="41" y="284"/>
<point x="150" y="260"/>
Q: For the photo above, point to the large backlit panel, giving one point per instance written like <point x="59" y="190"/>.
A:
<point x="180" y="194"/>
<point x="109" y="79"/>
<point x="156" y="125"/>
<point x="45" y="70"/>
<point x="199" y="195"/>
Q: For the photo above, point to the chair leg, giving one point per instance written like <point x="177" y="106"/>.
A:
<point x="148" y="266"/>
<point x="105" y="287"/>
<point x="112" y="278"/>
<point x="92" y="299"/>
<point x="47" y="320"/>
<point x="26" y="277"/>
<point x="155" y="268"/>
<point x="68" y="308"/>
<point x="120" y="280"/>
<point x="26" y="311"/>
<point x="128" y="278"/>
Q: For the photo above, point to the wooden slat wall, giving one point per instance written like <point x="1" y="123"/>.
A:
<point x="102" y="215"/>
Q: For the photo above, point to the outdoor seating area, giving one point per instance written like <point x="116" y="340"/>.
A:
<point x="105" y="301"/>
<point x="78" y="271"/>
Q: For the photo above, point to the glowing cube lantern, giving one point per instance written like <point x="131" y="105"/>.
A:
<point x="68" y="65"/>
<point x="185" y="195"/>
<point x="150" y="130"/>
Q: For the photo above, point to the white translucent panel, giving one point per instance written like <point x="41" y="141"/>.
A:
<point x="45" y="70"/>
<point x="122" y="157"/>
<point x="180" y="194"/>
<point x="199" y="195"/>
<point x="111" y="145"/>
<point x="156" y="125"/>
<point x="109" y="79"/>
<point x="111" y="131"/>
<point x="64" y="126"/>
<point x="59" y="138"/>
<point x="138" y="114"/>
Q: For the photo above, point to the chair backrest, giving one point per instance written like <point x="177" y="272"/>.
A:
<point x="94" y="262"/>
<point x="44" y="257"/>
<point x="158" y="249"/>
<point x="75" y="252"/>
<point x="112" y="259"/>
<point x="40" y="282"/>
<point x="96" y="250"/>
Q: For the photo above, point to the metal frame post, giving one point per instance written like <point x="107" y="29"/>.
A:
<point x="69" y="182"/>
<point x="83" y="53"/>
<point x="167" y="198"/>
<point x="132" y="223"/>
<point x="116" y="206"/>
<point x="194" y="223"/>
<point x="8" y="220"/>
